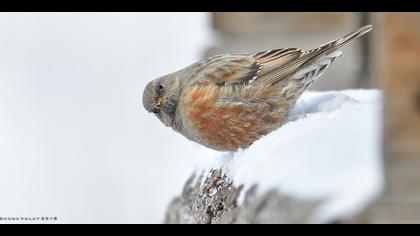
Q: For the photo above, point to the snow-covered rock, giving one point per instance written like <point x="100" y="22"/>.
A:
<point x="327" y="155"/>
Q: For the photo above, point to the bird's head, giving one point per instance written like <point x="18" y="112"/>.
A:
<point x="161" y="96"/>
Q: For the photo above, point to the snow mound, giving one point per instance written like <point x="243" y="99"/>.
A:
<point x="328" y="151"/>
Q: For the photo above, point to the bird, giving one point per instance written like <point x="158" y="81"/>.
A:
<point x="228" y="101"/>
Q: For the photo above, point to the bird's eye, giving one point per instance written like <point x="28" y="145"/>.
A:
<point x="160" y="87"/>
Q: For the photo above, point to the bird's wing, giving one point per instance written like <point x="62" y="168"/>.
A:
<point x="242" y="69"/>
<point x="267" y="67"/>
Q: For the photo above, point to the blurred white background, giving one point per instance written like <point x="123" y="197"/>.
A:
<point x="75" y="141"/>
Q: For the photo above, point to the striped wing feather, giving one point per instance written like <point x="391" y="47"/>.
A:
<point x="268" y="67"/>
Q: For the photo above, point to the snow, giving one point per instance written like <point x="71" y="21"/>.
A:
<point x="329" y="150"/>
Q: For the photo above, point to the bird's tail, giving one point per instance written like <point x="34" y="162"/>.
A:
<point x="316" y="61"/>
<point x="334" y="45"/>
<point x="302" y="60"/>
<point x="353" y="35"/>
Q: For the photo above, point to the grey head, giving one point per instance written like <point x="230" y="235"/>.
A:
<point x="161" y="96"/>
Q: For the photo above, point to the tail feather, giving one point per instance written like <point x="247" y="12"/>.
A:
<point x="336" y="44"/>
<point x="311" y="56"/>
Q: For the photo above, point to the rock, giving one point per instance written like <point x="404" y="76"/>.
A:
<point x="215" y="201"/>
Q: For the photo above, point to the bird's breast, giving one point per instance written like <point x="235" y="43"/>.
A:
<point x="223" y="124"/>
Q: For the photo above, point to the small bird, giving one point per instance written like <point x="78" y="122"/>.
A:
<point x="229" y="101"/>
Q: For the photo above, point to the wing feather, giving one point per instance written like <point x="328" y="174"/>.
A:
<point x="267" y="67"/>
